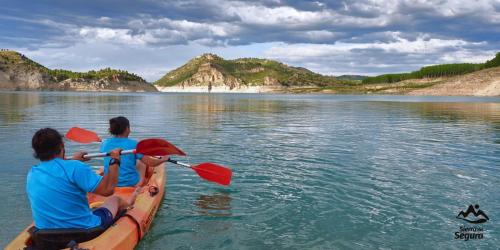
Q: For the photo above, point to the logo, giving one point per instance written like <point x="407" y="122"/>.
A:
<point x="472" y="215"/>
<point x="480" y="216"/>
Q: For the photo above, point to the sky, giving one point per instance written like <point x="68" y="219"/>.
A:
<point x="152" y="37"/>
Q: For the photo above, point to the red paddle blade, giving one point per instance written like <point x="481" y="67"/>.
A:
<point x="213" y="172"/>
<point x="157" y="147"/>
<point x="82" y="135"/>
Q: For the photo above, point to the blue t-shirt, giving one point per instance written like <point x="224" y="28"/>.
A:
<point x="127" y="172"/>
<point x="57" y="190"/>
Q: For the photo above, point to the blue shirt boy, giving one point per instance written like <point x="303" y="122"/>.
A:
<point x="57" y="190"/>
<point x="127" y="173"/>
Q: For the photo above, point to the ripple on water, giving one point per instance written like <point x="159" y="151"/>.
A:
<point x="310" y="172"/>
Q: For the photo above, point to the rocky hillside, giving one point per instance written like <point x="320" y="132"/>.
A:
<point x="485" y="82"/>
<point x="212" y="71"/>
<point x="435" y="71"/>
<point x="18" y="72"/>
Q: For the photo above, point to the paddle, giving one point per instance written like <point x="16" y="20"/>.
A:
<point x="82" y="135"/>
<point x="153" y="147"/>
<point x="209" y="171"/>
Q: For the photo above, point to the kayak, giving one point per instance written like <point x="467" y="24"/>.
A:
<point x="129" y="229"/>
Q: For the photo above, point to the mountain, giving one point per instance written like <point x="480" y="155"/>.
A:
<point x="17" y="72"/>
<point x="211" y="71"/>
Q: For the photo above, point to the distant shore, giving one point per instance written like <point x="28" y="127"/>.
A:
<point x="480" y="83"/>
<point x="220" y="89"/>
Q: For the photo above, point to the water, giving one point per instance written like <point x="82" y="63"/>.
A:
<point x="310" y="171"/>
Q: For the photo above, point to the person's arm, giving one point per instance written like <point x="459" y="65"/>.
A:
<point x="108" y="183"/>
<point x="153" y="161"/>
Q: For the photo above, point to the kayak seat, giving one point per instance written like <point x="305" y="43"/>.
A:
<point x="61" y="238"/>
<point x="65" y="238"/>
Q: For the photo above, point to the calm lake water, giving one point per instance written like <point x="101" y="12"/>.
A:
<point x="310" y="171"/>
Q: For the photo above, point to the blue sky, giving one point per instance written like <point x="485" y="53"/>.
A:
<point x="152" y="37"/>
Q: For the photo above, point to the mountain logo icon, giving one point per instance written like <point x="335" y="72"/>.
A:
<point x="480" y="216"/>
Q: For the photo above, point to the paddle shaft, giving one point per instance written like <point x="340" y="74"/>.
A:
<point x="132" y="151"/>
<point x="95" y="155"/>
<point x="179" y="163"/>
<point x="219" y="175"/>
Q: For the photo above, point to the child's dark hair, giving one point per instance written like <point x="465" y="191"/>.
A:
<point x="118" y="125"/>
<point x="47" y="143"/>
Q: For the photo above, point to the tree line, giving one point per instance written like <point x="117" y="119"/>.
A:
<point x="435" y="71"/>
<point x="62" y="74"/>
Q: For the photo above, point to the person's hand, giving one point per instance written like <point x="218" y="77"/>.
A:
<point x="79" y="156"/>
<point x="164" y="158"/>
<point x="115" y="154"/>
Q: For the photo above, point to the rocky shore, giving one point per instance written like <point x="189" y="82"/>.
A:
<point x="18" y="72"/>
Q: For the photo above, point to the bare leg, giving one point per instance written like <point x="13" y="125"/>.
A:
<point x="141" y="169"/>
<point x="115" y="203"/>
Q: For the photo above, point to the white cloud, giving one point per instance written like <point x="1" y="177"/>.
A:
<point x="401" y="45"/>
<point x="397" y="55"/>
<point x="470" y="56"/>
<point x="315" y="35"/>
<point x="288" y="17"/>
<point x="453" y="8"/>
<point x="104" y="19"/>
<point x="162" y="31"/>
<point x="186" y="27"/>
<point x="364" y="36"/>
<point x="92" y="34"/>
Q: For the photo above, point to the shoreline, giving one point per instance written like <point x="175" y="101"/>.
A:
<point x="375" y="89"/>
<point x="421" y="87"/>
<point x="485" y="82"/>
<point x="220" y="89"/>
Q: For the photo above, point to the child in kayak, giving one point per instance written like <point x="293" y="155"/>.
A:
<point x="57" y="187"/>
<point x="132" y="166"/>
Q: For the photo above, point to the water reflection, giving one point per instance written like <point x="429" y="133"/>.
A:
<point x="208" y="109"/>
<point x="215" y="104"/>
<point x="460" y="111"/>
<point x="208" y="112"/>
<point x="12" y="106"/>
<point x="488" y="113"/>
<point x="217" y="204"/>
<point x="300" y="161"/>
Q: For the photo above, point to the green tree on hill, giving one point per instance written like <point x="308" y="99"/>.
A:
<point x="61" y="74"/>
<point x="495" y="62"/>
<point x="442" y="70"/>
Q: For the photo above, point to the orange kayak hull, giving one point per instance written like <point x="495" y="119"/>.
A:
<point x="129" y="229"/>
